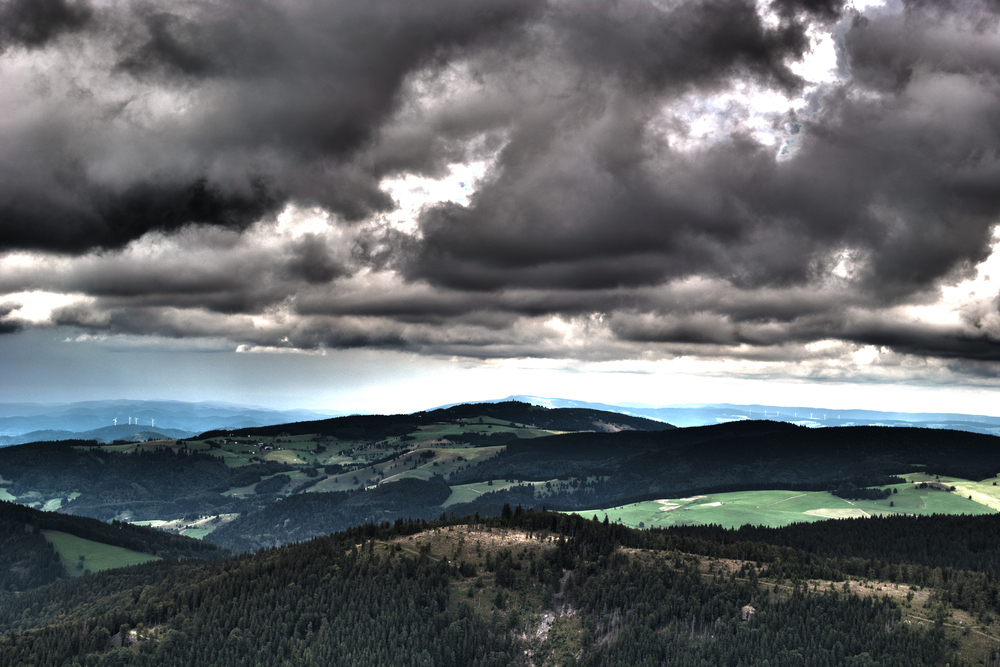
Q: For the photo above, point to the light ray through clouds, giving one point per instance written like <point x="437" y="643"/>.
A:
<point x="595" y="196"/>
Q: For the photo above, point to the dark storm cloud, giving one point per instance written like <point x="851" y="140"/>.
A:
<point x="226" y="110"/>
<point x="654" y="46"/>
<point x="33" y="23"/>
<point x="609" y="222"/>
<point x="313" y="262"/>
<point x="8" y="327"/>
<point x="904" y="182"/>
<point x="109" y="218"/>
<point x="827" y="10"/>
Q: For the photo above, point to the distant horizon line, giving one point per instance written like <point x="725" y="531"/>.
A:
<point x="542" y="401"/>
<point x="511" y="397"/>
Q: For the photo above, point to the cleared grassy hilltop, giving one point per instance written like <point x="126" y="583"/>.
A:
<point x="526" y="588"/>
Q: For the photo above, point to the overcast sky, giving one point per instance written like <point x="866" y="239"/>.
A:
<point x="385" y="205"/>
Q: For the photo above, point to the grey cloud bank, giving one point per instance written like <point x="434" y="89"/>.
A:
<point x="656" y="179"/>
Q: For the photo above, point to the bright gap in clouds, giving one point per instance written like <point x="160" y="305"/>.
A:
<point x="972" y="300"/>
<point x="35" y="308"/>
<point x="412" y="192"/>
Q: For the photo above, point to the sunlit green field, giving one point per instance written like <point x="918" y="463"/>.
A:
<point x="38" y="501"/>
<point x="780" y="508"/>
<point x="196" y="528"/>
<point x="466" y="493"/>
<point x="196" y="533"/>
<point x="97" y="556"/>
<point x="52" y="505"/>
<point x="985" y="492"/>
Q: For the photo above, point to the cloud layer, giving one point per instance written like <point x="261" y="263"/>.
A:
<point x="591" y="180"/>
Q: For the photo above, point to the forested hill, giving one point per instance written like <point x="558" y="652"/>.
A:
<point x="155" y="483"/>
<point x="378" y="427"/>
<point x="307" y="515"/>
<point x="525" y="588"/>
<point x="27" y="559"/>
<point x="737" y="455"/>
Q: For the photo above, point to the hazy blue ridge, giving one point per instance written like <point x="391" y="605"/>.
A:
<point x="28" y="422"/>
<point x="718" y="413"/>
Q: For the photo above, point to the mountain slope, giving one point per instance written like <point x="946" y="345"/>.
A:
<point x="529" y="588"/>
<point x="27" y="560"/>
<point x="155" y="483"/>
<point x="716" y="413"/>
<point x="378" y="427"/>
<point x="105" y="434"/>
<point x="737" y="455"/>
<point x="22" y="422"/>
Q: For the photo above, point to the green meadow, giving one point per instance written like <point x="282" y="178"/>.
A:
<point x="52" y="505"/>
<point x="196" y="533"/>
<point x="985" y="492"/>
<point x="466" y="493"/>
<point x="780" y="508"/>
<point x="96" y="556"/>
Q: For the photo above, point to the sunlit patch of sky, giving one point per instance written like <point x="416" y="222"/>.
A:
<point x="36" y="308"/>
<point x="976" y="297"/>
<point x="413" y="192"/>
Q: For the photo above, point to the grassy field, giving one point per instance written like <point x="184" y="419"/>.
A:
<point x="780" y="508"/>
<point x="196" y="528"/>
<point x="52" y="505"/>
<point x="466" y="493"/>
<point x="196" y="533"/>
<point x="985" y="492"/>
<point x="96" y="556"/>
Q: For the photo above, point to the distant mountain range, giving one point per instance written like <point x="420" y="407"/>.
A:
<point x="136" y="420"/>
<point x="718" y="413"/>
<point x="144" y="420"/>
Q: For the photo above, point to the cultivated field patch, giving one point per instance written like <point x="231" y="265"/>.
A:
<point x="467" y="493"/>
<point x="79" y="556"/>
<point x="52" y="505"/>
<point x="196" y="528"/>
<point x="776" y="508"/>
<point x="853" y="513"/>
